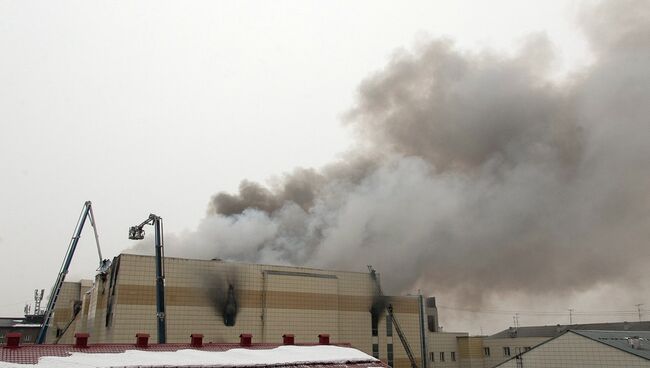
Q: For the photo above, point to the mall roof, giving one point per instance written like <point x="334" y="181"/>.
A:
<point x="556" y="330"/>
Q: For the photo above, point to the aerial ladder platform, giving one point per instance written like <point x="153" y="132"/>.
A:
<point x="137" y="233"/>
<point x="86" y="215"/>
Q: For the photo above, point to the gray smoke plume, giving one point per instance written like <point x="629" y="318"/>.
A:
<point x="476" y="174"/>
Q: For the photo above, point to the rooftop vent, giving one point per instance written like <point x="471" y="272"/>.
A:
<point x="81" y="340"/>
<point x="13" y="340"/>
<point x="288" y="339"/>
<point x="142" y="340"/>
<point x="512" y="332"/>
<point x="196" y="340"/>
<point x="245" y="339"/>
<point x="324" y="339"/>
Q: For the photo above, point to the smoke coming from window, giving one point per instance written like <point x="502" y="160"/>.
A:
<point x="472" y="174"/>
<point x="222" y="290"/>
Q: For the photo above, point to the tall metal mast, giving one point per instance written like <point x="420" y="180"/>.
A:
<point x="137" y="233"/>
<point x="86" y="214"/>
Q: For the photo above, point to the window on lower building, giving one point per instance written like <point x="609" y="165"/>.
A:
<point x="527" y="348"/>
<point x="375" y="350"/>
<point x="453" y="356"/>
<point x="442" y="356"/>
<point x="389" y="354"/>
<point x="506" y="351"/>
<point x="486" y="351"/>
<point x="432" y="356"/>
<point x="520" y="361"/>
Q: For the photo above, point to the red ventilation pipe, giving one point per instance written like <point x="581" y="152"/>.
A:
<point x="196" y="340"/>
<point x="288" y="339"/>
<point x="13" y="340"/>
<point x="245" y="339"/>
<point x="81" y="340"/>
<point x="323" y="339"/>
<point x="142" y="340"/>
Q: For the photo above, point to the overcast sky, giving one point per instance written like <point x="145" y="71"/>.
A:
<point x="154" y="106"/>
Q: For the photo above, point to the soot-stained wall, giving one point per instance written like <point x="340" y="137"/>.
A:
<point x="222" y="300"/>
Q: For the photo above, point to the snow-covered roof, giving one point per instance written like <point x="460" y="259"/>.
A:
<point x="26" y="325"/>
<point x="178" y="355"/>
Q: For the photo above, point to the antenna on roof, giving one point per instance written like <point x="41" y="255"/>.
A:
<point x="515" y="319"/>
<point x="638" y="308"/>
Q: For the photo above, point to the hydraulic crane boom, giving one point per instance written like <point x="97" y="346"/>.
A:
<point x="137" y="233"/>
<point x="86" y="214"/>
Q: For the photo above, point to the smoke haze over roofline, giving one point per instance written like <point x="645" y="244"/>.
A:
<point x="474" y="176"/>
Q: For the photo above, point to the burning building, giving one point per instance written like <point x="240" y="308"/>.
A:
<point x="222" y="300"/>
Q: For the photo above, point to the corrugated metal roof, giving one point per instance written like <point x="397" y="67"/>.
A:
<point x="9" y="322"/>
<point x="617" y="339"/>
<point x="633" y="342"/>
<point x="27" y="321"/>
<point x="556" y="330"/>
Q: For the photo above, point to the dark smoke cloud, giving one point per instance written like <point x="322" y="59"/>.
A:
<point x="301" y="187"/>
<point x="378" y="304"/>
<point x="477" y="174"/>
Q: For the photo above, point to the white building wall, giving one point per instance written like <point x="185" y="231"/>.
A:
<point x="443" y="342"/>
<point x="574" y="351"/>
<point x="515" y="345"/>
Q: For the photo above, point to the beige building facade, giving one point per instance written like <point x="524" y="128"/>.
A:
<point x="442" y="349"/>
<point x="497" y="350"/>
<point x="222" y="300"/>
<point x="68" y="310"/>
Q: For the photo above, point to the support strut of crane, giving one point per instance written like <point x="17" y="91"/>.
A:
<point x="402" y="337"/>
<point x="86" y="214"/>
<point x="137" y="233"/>
<point x="75" y="312"/>
<point x="389" y="310"/>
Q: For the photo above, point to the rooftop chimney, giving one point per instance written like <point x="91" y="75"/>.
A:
<point x="142" y="340"/>
<point x="196" y="340"/>
<point x="323" y="339"/>
<point x="245" y="339"/>
<point x="81" y="340"/>
<point x="512" y="332"/>
<point x="288" y="339"/>
<point x="13" y="340"/>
